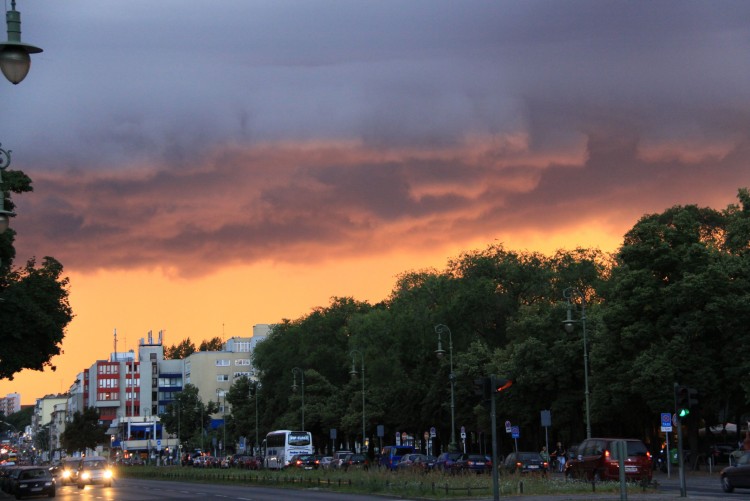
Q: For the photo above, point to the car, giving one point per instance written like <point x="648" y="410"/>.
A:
<point x="392" y="454"/>
<point x="407" y="462"/>
<point x="445" y="461"/>
<point x="304" y="461"/>
<point x="525" y="462"/>
<point x="472" y="463"/>
<point x="29" y="481"/>
<point x="597" y="460"/>
<point x="356" y="462"/>
<point x="339" y="457"/>
<point x="68" y="471"/>
<point x="737" y="475"/>
<point x="94" y="470"/>
<point x="416" y="462"/>
<point x="326" y="462"/>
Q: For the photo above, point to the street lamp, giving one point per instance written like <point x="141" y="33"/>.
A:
<point x="353" y="373"/>
<point x="440" y="352"/>
<point x="569" y="325"/>
<point x="5" y="215"/>
<point x="295" y="371"/>
<point x="14" y="54"/>
<point x="255" y="394"/>
<point x="220" y="393"/>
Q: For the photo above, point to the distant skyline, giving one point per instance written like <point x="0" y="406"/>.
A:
<point x="200" y="167"/>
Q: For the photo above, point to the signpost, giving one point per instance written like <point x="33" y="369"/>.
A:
<point x="666" y="427"/>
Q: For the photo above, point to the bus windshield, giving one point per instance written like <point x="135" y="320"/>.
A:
<point x="299" y="439"/>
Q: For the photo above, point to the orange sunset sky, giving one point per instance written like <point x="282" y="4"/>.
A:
<point x="201" y="168"/>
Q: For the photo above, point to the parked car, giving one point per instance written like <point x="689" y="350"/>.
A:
<point x="444" y="461"/>
<point x="94" y="470"/>
<point x="339" y="457"/>
<point x="326" y="462"/>
<point x="407" y="462"/>
<point x="472" y="463"/>
<point x="525" y="462"/>
<point x="597" y="460"/>
<point x="392" y="454"/>
<point x="738" y="475"/>
<point x="416" y="462"/>
<point x="32" y="481"/>
<point x="356" y="462"/>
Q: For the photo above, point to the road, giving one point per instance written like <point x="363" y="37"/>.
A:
<point x="158" y="490"/>
<point x="700" y="487"/>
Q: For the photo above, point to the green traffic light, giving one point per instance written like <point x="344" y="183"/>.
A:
<point x="684" y="412"/>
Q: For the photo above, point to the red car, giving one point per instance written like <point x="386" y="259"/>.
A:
<point x="597" y="459"/>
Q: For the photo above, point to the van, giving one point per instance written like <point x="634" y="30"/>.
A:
<point x="597" y="459"/>
<point x="392" y="454"/>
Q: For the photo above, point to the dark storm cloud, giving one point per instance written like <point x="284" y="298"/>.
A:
<point x="233" y="131"/>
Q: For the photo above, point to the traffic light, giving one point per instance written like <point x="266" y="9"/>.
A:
<point x="686" y="399"/>
<point x="501" y="384"/>
<point x="482" y="387"/>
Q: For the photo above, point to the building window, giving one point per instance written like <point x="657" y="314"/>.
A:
<point x="223" y="363"/>
<point x="242" y="361"/>
<point x="240" y="374"/>
<point x="222" y="377"/>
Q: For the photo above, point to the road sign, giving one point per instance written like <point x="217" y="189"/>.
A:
<point x="546" y="418"/>
<point x="433" y="432"/>
<point x="507" y="427"/>
<point x="515" y="432"/>
<point x="666" y="421"/>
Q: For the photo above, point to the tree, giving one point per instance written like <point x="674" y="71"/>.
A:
<point x="33" y="315"/>
<point x="214" y="344"/>
<point x="180" y="351"/>
<point x="34" y="308"/>
<point x="84" y="431"/>
<point x="187" y="417"/>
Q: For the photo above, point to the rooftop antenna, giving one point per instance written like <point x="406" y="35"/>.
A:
<point x="115" y="341"/>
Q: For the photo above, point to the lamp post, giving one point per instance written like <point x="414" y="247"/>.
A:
<point x="295" y="371"/>
<point x="255" y="394"/>
<point x="5" y="215"/>
<point x="14" y="54"/>
<point x="219" y="394"/>
<point x="353" y="373"/>
<point x="440" y="352"/>
<point x="569" y="325"/>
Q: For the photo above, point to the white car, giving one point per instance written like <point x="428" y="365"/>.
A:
<point x="94" y="470"/>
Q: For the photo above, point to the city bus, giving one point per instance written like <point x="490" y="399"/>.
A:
<point x="280" y="445"/>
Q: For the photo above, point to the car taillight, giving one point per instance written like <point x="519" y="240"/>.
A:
<point x="545" y="464"/>
<point x="606" y="454"/>
<point x="518" y="464"/>
<point x="648" y="454"/>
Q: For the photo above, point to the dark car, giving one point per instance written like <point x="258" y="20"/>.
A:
<point x="68" y="471"/>
<point x="445" y="461"/>
<point x="29" y="481"/>
<point x="737" y="475"/>
<point x="356" y="461"/>
<point x="597" y="459"/>
<point x="392" y="454"/>
<point x="305" y="461"/>
<point x="525" y="462"/>
<point x="472" y="463"/>
<point x="408" y="462"/>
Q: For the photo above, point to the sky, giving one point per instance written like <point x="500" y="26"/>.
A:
<point x="201" y="167"/>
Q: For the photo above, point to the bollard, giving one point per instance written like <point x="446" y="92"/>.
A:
<point x="520" y="486"/>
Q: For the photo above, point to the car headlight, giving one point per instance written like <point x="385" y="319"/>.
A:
<point x="107" y="473"/>
<point x="85" y="475"/>
<point x="66" y="474"/>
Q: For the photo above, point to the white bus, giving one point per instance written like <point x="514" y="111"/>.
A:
<point x="279" y="447"/>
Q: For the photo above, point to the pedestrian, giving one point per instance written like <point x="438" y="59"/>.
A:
<point x="560" y="456"/>
<point x="544" y="454"/>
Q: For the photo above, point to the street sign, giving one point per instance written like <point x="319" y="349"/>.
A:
<point x="546" y="418"/>
<point x="433" y="432"/>
<point x="507" y="427"/>
<point x="515" y="432"/>
<point x="666" y="422"/>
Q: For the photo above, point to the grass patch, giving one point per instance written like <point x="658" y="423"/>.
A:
<point x="434" y="485"/>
